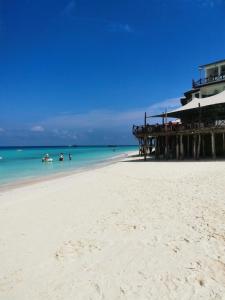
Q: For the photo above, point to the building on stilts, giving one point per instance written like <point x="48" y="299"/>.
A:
<point x="199" y="127"/>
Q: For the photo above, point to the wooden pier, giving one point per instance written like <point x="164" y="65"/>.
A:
<point x="177" y="141"/>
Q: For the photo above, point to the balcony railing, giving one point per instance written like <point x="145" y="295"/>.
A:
<point x="207" y="80"/>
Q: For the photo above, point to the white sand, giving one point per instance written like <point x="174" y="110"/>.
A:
<point x="131" y="230"/>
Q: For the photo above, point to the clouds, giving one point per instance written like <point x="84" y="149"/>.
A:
<point x="93" y="119"/>
<point x="69" y="8"/>
<point x="104" y="126"/>
<point x="162" y="106"/>
<point x="67" y="123"/>
<point x="110" y="26"/>
<point x="93" y="127"/>
<point x="205" y="3"/>
<point x="37" y="128"/>
<point x="209" y="3"/>
<point x="201" y="3"/>
<point x="107" y="119"/>
<point x="118" y="27"/>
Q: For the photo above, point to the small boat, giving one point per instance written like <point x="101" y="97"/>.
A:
<point x="47" y="159"/>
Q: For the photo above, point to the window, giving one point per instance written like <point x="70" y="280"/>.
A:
<point x="197" y="95"/>
<point x="212" y="72"/>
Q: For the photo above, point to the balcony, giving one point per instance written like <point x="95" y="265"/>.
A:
<point x="208" y="80"/>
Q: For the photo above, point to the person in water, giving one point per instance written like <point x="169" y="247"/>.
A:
<point x="70" y="156"/>
<point x="61" y="157"/>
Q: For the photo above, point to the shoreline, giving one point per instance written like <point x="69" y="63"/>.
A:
<point x="60" y="174"/>
<point x="97" y="165"/>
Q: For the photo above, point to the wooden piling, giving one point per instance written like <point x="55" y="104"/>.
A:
<point x="213" y="145"/>
<point x="145" y="139"/>
<point x="223" y="143"/>
<point x="188" y="145"/>
<point x="194" y="146"/>
<point x="166" y="137"/>
<point x="203" y="146"/>
<point x="199" y="146"/>
<point x="181" y="147"/>
<point x="157" y="147"/>
<point x="177" y="147"/>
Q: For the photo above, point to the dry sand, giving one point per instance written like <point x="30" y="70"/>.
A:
<point x="131" y="230"/>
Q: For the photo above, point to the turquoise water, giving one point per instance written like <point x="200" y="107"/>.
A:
<point x="18" y="164"/>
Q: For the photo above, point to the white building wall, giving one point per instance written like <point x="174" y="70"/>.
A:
<point x="213" y="89"/>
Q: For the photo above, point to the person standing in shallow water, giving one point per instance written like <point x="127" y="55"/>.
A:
<point x="70" y="156"/>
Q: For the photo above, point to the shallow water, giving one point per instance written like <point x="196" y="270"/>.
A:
<point x="18" y="164"/>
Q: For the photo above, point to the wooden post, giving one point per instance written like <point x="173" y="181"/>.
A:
<point x="166" y="137"/>
<point x="188" y="145"/>
<point x="223" y="143"/>
<point x="194" y="146"/>
<point x="203" y="146"/>
<point x="152" y="143"/>
<point x="145" y="138"/>
<point x="159" y="146"/>
<point x="199" y="115"/>
<point x="177" y="147"/>
<point x="156" y="147"/>
<point x="213" y="145"/>
<point x="181" y="147"/>
<point x="199" y="146"/>
<point x="139" y="140"/>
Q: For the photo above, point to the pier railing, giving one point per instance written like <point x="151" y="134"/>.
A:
<point x="170" y="127"/>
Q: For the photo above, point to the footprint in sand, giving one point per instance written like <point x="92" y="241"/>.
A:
<point x="77" y="248"/>
<point x="8" y="282"/>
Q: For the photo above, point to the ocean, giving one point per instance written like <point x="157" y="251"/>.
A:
<point x="25" y="163"/>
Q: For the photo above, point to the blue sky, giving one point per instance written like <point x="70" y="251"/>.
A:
<point x="83" y="71"/>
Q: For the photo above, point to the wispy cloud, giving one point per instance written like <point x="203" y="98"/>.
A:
<point x="98" y="119"/>
<point x="111" y="26"/>
<point x="37" y="128"/>
<point x="69" y="8"/>
<point x="2" y="130"/>
<point x="118" y="27"/>
<point x="209" y="3"/>
<point x="162" y="106"/>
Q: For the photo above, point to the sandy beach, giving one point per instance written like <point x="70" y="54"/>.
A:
<point x="129" y="230"/>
